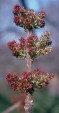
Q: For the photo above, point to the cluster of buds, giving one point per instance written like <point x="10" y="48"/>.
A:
<point x="12" y="80"/>
<point x="27" y="18"/>
<point x="18" y="49"/>
<point x="32" y="45"/>
<point x="44" y="45"/>
<point x="28" y="82"/>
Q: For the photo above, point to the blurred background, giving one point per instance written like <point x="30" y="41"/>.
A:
<point x="46" y="100"/>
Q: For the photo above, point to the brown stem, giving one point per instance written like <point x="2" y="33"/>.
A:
<point x="29" y="63"/>
<point x="28" y="58"/>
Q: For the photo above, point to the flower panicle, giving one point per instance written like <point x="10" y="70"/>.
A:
<point x="32" y="45"/>
<point x="29" y="81"/>
<point x="27" y="18"/>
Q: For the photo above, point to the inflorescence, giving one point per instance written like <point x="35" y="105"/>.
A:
<point x="28" y="82"/>
<point x="32" y="45"/>
<point x="27" y="18"/>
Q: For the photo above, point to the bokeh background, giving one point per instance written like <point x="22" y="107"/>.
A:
<point x="46" y="100"/>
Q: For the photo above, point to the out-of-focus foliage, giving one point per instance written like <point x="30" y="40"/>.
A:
<point x="43" y="103"/>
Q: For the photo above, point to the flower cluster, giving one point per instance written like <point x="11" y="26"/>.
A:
<point x="32" y="45"/>
<point x="18" y="49"/>
<point x="44" y="45"/>
<point x="27" y="18"/>
<point x="12" y="80"/>
<point x="28" y="82"/>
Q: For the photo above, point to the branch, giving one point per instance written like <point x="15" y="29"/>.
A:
<point x="13" y="107"/>
<point x="28" y="59"/>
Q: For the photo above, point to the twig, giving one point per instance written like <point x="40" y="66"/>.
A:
<point x="13" y="107"/>
<point x="28" y="59"/>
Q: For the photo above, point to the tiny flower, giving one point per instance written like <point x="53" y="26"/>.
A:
<point x="42" y="14"/>
<point x="16" y="9"/>
<point x="41" y="23"/>
<point x="17" y="20"/>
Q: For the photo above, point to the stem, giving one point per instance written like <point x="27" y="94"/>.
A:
<point x="29" y="62"/>
<point x="28" y="103"/>
<point x="28" y="58"/>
